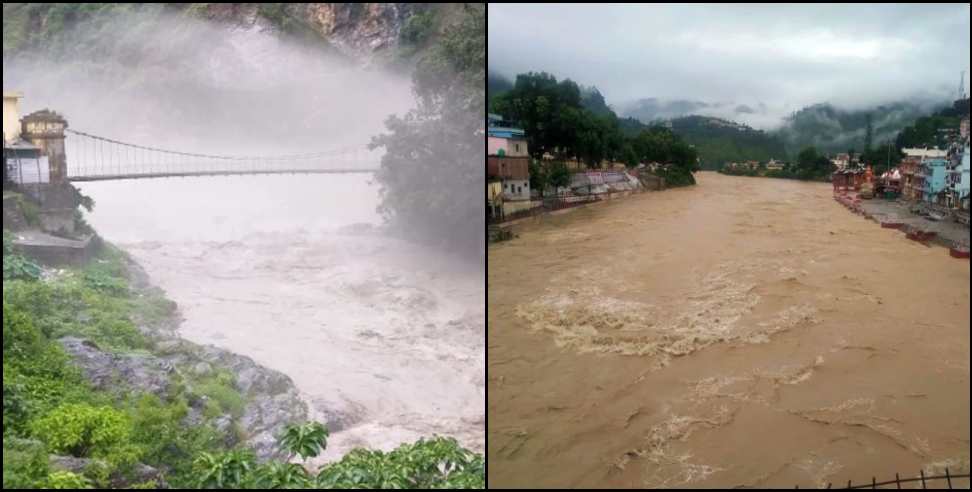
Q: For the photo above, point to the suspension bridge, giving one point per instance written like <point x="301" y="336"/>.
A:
<point x="96" y="158"/>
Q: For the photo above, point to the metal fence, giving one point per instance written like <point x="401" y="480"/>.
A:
<point x="936" y="482"/>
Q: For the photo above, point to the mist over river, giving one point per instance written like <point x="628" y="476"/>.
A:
<point x="383" y="338"/>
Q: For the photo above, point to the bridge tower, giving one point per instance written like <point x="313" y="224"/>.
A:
<point x="58" y="198"/>
<point x="45" y="129"/>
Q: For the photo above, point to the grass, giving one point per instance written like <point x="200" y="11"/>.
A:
<point x="222" y="396"/>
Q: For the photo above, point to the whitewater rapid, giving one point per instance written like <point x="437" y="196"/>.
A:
<point x="384" y="339"/>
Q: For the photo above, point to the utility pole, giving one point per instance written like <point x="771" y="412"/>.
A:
<point x="889" y="155"/>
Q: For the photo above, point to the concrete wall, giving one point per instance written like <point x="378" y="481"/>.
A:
<point x="508" y="167"/>
<point x="516" y="189"/>
<point x="511" y="147"/>
<point x="29" y="171"/>
<point x="512" y="207"/>
<point x="57" y="252"/>
<point x="11" y="117"/>
<point x="494" y="145"/>
<point x="494" y="190"/>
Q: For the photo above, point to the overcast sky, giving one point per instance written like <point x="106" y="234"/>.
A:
<point x="784" y="56"/>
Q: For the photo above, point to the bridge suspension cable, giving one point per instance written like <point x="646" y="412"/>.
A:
<point x="93" y="157"/>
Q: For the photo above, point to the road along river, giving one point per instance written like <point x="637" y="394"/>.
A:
<point x="741" y="332"/>
<point x="384" y="339"/>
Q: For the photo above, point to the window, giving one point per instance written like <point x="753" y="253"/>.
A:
<point x="517" y="146"/>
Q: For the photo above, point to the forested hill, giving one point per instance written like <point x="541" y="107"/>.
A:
<point x="395" y="34"/>
<point x="497" y="84"/>
<point x="718" y="141"/>
<point x="832" y="130"/>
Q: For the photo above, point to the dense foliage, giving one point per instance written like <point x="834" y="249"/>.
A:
<point x="52" y="25"/>
<point x="809" y="165"/>
<point x="567" y="121"/>
<point x="434" y="155"/>
<point x="551" y="176"/>
<point x="719" y="141"/>
<point x="497" y="84"/>
<point x="926" y="131"/>
<point x="15" y="266"/>
<point x="832" y="130"/>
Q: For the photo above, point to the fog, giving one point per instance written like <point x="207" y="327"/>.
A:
<point x="774" y="59"/>
<point x="176" y="82"/>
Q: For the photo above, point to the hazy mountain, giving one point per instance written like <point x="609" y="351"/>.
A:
<point x="831" y="129"/>
<point x="497" y="84"/>
<point x="653" y="109"/>
<point x="825" y="126"/>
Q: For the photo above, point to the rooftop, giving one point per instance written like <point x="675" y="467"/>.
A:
<point x="505" y="132"/>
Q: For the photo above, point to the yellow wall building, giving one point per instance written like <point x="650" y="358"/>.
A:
<point x="11" y="116"/>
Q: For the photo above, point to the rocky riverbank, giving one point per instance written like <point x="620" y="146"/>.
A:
<point x="270" y="400"/>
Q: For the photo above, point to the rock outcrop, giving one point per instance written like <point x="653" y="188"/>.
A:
<point x="271" y="400"/>
<point x="138" y="372"/>
<point x="139" y="474"/>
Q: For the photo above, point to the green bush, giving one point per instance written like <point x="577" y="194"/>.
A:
<point x="15" y="266"/>
<point x="434" y="463"/>
<point x="25" y="463"/>
<point x="20" y="338"/>
<point x="419" y="28"/>
<point x="83" y="430"/>
<point x="79" y="307"/>
<point x="67" y="480"/>
<point x="306" y="440"/>
<point x="277" y="475"/>
<point x="222" y="395"/>
<point x="36" y="373"/>
<point x="224" y="470"/>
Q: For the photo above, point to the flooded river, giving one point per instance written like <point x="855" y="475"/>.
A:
<point x="742" y="332"/>
<point x="383" y="339"/>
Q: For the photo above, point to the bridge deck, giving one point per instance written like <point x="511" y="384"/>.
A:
<point x="108" y="177"/>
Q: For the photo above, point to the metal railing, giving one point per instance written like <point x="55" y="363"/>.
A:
<point x="947" y="478"/>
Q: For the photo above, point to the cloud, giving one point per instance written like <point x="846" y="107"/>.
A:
<point x="769" y="59"/>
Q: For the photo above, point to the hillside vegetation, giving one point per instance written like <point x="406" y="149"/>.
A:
<point x="720" y="141"/>
<point x="397" y="34"/>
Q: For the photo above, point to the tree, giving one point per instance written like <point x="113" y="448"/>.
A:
<point x="811" y="165"/>
<point x="558" y="175"/>
<point x="307" y="439"/>
<point x="869" y="134"/>
<point x="433" y="162"/>
<point x="628" y="155"/>
<point x="538" y="176"/>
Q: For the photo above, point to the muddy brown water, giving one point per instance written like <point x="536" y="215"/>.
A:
<point x="742" y="332"/>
